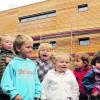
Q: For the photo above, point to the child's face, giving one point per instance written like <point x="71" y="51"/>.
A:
<point x="7" y="43"/>
<point x="45" y="54"/>
<point x="98" y="65"/>
<point x="61" y="64"/>
<point x="79" y="63"/>
<point x="25" y="50"/>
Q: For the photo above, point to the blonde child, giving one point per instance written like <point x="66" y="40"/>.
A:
<point x="20" y="80"/>
<point x="60" y="82"/>
<point x="43" y="61"/>
<point x="81" y="62"/>
<point x="6" y="54"/>
<point x="91" y="80"/>
<point x="6" y="49"/>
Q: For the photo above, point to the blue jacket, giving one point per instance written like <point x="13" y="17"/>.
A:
<point x="89" y="81"/>
<point x="20" y="78"/>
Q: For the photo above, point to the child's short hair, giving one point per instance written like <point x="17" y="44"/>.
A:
<point x="82" y="56"/>
<point x="44" y="45"/>
<point x="56" y="55"/>
<point x="21" y="40"/>
<point x="2" y="37"/>
<point x="96" y="58"/>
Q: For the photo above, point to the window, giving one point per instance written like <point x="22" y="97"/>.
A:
<point x="35" y="46"/>
<point x="53" y="43"/>
<point x="84" y="41"/>
<point x="37" y="16"/>
<point x="83" y="7"/>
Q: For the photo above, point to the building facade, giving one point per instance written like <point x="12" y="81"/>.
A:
<point x="69" y="25"/>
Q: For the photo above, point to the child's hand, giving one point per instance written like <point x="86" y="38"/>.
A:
<point x="7" y="59"/>
<point x="18" y="97"/>
<point x="95" y="93"/>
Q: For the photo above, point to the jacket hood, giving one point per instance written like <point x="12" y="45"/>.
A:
<point x="20" y="59"/>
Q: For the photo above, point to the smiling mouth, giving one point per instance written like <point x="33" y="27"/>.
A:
<point x="63" y="67"/>
<point x="45" y="56"/>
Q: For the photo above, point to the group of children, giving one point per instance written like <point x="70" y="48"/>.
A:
<point x="48" y="77"/>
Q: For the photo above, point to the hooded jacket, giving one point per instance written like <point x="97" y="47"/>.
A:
<point x="60" y="86"/>
<point x="20" y="78"/>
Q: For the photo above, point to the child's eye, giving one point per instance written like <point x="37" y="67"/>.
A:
<point x="6" y="41"/>
<point x="76" y="60"/>
<point x="48" y="50"/>
<point x="66" y="62"/>
<point x="29" y="46"/>
<point x="45" y="50"/>
<point x="42" y="50"/>
<point x="62" y="62"/>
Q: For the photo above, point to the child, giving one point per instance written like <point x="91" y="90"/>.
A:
<point x="20" y="79"/>
<point x="96" y="55"/>
<point x="81" y="68"/>
<point x="60" y="83"/>
<point x="43" y="61"/>
<point x="91" y="80"/>
<point x="6" y="49"/>
<point x="6" y="54"/>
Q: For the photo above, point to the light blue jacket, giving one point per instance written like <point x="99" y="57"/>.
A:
<point x="20" y="78"/>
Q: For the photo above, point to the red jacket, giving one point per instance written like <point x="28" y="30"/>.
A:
<point x="79" y="74"/>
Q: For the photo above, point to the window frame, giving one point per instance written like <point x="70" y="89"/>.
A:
<point x="37" y="16"/>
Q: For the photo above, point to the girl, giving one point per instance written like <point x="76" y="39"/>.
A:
<point x="60" y="83"/>
<point x="44" y="60"/>
<point x="81" y="68"/>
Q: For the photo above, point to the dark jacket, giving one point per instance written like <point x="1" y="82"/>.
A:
<point x="3" y="54"/>
<point x="89" y="81"/>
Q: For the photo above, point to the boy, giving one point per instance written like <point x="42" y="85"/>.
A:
<point x="60" y="82"/>
<point x="6" y="54"/>
<point x="20" y="79"/>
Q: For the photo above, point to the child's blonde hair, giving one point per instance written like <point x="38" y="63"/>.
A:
<point x="46" y="46"/>
<point x="21" y="40"/>
<point x="56" y="55"/>
<point x="2" y="37"/>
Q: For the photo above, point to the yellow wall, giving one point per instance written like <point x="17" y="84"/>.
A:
<point x="10" y="22"/>
<point x="67" y="18"/>
<point x="71" y="44"/>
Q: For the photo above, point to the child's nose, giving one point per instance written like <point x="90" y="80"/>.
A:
<point x="64" y="64"/>
<point x="30" y="49"/>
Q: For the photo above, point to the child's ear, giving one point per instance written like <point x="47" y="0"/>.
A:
<point x="18" y="50"/>
<point x="7" y="59"/>
<point x="54" y="62"/>
<point x="85" y="63"/>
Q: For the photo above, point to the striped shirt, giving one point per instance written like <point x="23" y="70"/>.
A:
<point x="3" y="55"/>
<point x="97" y="78"/>
<point x="43" y="67"/>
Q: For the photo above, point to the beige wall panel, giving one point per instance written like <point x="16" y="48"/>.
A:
<point x="67" y="18"/>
